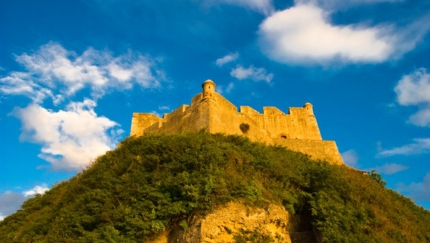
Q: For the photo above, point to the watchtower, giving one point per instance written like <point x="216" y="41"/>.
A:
<point x="208" y="89"/>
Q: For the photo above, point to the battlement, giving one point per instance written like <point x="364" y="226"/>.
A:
<point x="297" y="130"/>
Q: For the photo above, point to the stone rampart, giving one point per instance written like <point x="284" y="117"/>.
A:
<point x="141" y="121"/>
<point x="319" y="150"/>
<point x="298" y="130"/>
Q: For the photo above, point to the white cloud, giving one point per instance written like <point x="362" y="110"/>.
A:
<point x="350" y="158"/>
<point x="414" y="90"/>
<point x="18" y="83"/>
<point x="419" y="191"/>
<point x="390" y="169"/>
<point x="36" y="190"/>
<point x="263" y="6"/>
<point x="421" y="118"/>
<point x="303" y="34"/>
<point x="226" y="59"/>
<point x="1" y="217"/>
<point x="53" y="69"/>
<point x="420" y="146"/>
<point x="70" y="138"/>
<point x="256" y="74"/>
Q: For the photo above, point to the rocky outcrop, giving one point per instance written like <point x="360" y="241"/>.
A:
<point x="233" y="222"/>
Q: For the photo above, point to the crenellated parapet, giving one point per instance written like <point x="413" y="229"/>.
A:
<point x="297" y="130"/>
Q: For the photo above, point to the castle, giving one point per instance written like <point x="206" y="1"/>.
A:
<point x="298" y="130"/>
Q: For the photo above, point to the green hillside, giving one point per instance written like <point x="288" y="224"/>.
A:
<point x="150" y="184"/>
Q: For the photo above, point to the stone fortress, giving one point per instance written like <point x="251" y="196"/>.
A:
<point x="298" y="130"/>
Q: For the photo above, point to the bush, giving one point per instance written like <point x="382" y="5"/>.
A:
<point x="244" y="127"/>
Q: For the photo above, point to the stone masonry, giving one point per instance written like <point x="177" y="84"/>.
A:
<point x="298" y="130"/>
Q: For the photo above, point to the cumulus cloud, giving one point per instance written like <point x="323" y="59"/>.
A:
<point x="419" y="146"/>
<point x="414" y="90"/>
<point x="70" y="138"/>
<point x="303" y="34"/>
<point x="390" y="169"/>
<point x="350" y="158"/>
<point x="36" y="190"/>
<point x="226" y="59"/>
<point x="419" y="191"/>
<point x="421" y="118"/>
<point x="12" y="201"/>
<point x="262" y="6"/>
<point x="256" y="74"/>
<point x="19" y="83"/>
<point x="55" y="72"/>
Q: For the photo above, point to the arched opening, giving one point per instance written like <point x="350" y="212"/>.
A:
<point x="283" y="136"/>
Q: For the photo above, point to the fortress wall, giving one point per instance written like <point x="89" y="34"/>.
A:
<point x="253" y="114"/>
<point x="298" y="124"/>
<point x="223" y="120"/>
<point x="183" y="119"/>
<point x="175" y="116"/>
<point x="248" y="110"/>
<point x="276" y="122"/>
<point x="180" y="110"/>
<point x="195" y="118"/>
<point x="215" y="114"/>
<point x="304" y="124"/>
<point x="320" y="150"/>
<point x="196" y="99"/>
<point x="140" y="121"/>
<point x="224" y="103"/>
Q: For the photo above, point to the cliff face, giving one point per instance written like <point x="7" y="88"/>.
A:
<point x="231" y="223"/>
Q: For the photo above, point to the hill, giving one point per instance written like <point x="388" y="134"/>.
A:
<point x="154" y="183"/>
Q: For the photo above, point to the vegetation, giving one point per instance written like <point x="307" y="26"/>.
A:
<point x="153" y="183"/>
<point x="244" y="127"/>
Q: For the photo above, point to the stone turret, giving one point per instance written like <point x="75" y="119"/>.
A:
<point x="308" y="107"/>
<point x="208" y="89"/>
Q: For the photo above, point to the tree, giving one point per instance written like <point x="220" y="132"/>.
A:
<point x="377" y="177"/>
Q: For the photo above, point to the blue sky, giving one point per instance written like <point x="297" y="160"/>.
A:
<point x="73" y="72"/>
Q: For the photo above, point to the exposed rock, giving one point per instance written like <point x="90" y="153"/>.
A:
<point x="232" y="220"/>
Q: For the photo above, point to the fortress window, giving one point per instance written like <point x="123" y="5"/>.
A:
<point x="283" y="136"/>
